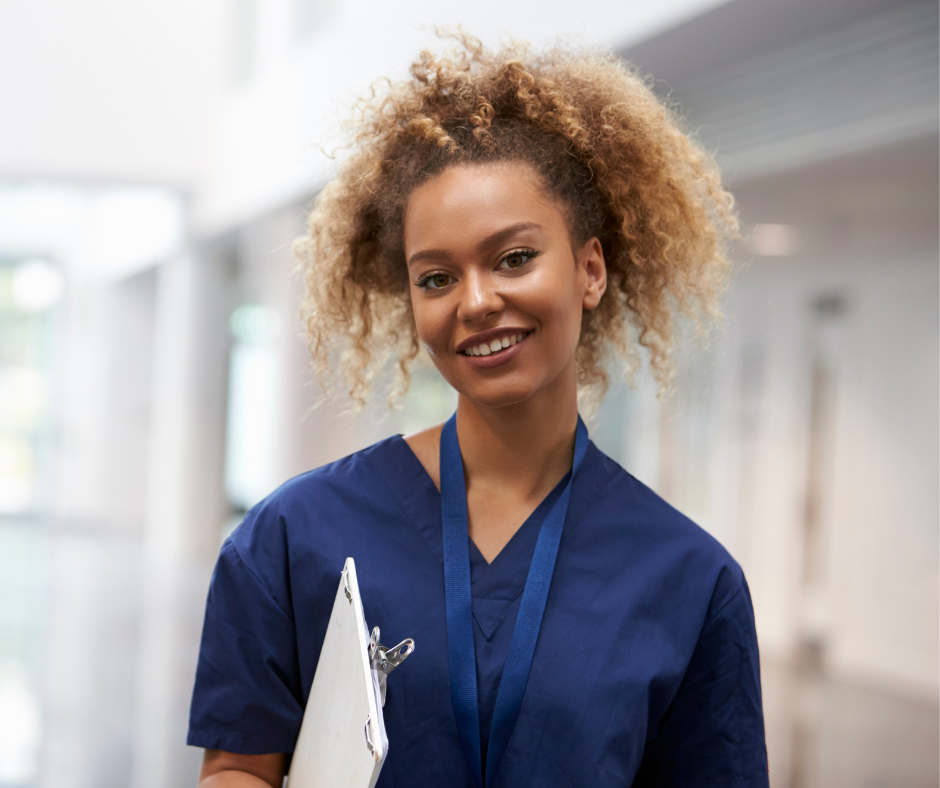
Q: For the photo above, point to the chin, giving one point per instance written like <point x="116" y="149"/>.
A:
<point x="499" y="396"/>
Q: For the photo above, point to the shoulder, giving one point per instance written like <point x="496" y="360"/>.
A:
<point x="660" y="536"/>
<point x="306" y="519"/>
<point x="335" y="491"/>
<point x="347" y="474"/>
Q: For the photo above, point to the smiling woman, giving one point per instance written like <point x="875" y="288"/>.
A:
<point x="518" y="217"/>
<point x="598" y="143"/>
<point x="491" y="260"/>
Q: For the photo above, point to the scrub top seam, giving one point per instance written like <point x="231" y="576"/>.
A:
<point x="404" y="510"/>
<point x="207" y="737"/>
<point x="253" y="576"/>
<point x="586" y="512"/>
<point x="720" y="610"/>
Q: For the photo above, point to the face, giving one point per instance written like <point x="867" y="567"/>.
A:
<point x="497" y="289"/>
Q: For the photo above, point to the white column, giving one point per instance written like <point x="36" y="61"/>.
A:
<point x="185" y="510"/>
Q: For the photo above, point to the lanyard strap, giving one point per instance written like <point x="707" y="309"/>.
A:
<point x="460" y="650"/>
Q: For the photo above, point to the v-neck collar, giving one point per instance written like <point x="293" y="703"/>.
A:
<point x="520" y="544"/>
<point x="496" y="585"/>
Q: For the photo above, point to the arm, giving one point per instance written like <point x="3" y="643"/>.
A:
<point x="248" y="694"/>
<point x="713" y="731"/>
<point x="222" y="769"/>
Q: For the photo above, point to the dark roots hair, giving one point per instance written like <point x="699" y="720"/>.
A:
<point x="602" y="144"/>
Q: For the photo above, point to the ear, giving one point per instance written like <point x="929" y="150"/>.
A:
<point x="591" y="259"/>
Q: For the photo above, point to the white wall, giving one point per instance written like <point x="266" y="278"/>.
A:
<point x="149" y="92"/>
<point x="884" y="609"/>
<point x="867" y="235"/>
<point x="873" y="606"/>
<point x="104" y="90"/>
<point x="267" y="137"/>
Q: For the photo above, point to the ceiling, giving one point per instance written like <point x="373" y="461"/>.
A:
<point x="740" y="30"/>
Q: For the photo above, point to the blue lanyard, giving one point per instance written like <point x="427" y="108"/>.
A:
<point x="460" y="651"/>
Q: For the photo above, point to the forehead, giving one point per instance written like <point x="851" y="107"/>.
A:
<point x="467" y="202"/>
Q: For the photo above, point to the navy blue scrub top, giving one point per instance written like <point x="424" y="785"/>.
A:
<point x="645" y="672"/>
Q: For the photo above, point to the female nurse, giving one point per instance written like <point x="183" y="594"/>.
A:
<point x="521" y="218"/>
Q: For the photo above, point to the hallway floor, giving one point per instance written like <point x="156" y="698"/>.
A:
<point x="823" y="733"/>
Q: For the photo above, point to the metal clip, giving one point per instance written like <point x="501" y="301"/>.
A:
<point x="369" y="736"/>
<point x="385" y="660"/>
<point x="346" y="586"/>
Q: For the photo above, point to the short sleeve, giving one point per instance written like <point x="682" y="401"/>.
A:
<point x="713" y="731"/>
<point x="247" y="696"/>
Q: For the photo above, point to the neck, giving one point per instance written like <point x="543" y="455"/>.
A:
<point x="526" y="446"/>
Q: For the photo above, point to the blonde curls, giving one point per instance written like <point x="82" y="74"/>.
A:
<point x="603" y="145"/>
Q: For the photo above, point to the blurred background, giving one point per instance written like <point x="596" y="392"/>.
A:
<point x="156" y="160"/>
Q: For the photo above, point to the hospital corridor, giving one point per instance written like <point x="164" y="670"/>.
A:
<point x="157" y="161"/>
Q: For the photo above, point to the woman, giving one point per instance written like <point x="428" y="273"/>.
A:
<point x="518" y="217"/>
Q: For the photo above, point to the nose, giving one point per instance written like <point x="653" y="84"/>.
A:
<point x="480" y="298"/>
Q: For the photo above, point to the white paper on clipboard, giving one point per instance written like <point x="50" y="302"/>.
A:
<point x="342" y="741"/>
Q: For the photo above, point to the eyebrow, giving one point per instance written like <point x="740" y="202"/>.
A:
<point x="494" y="239"/>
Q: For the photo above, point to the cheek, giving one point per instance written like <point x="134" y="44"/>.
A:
<point x="567" y="318"/>
<point x="430" y="322"/>
<point x="554" y="299"/>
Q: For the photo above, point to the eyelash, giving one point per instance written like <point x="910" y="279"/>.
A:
<point x="423" y="281"/>
<point x="531" y="254"/>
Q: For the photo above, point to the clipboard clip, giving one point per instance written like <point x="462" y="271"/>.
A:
<point x="346" y="586"/>
<point x="384" y="660"/>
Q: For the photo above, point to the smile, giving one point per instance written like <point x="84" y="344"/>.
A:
<point x="496" y="346"/>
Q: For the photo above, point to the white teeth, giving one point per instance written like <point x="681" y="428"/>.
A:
<point x="495" y="346"/>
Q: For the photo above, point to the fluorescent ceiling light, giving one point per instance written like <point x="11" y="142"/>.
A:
<point x="774" y="240"/>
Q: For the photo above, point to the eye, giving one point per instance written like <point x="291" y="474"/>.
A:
<point x="434" y="280"/>
<point x="516" y="259"/>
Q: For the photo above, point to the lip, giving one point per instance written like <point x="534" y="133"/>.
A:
<point x="497" y="359"/>
<point x="489" y="336"/>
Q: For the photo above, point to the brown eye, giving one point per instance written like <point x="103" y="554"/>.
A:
<point x="434" y="280"/>
<point x="517" y="259"/>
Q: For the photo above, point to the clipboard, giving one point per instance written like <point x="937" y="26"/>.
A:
<point x="342" y="741"/>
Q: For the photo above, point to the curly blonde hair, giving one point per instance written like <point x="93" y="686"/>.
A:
<point x="603" y="145"/>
